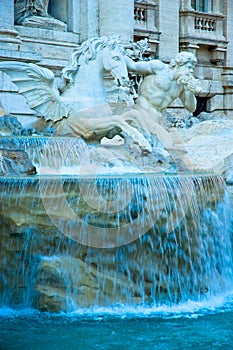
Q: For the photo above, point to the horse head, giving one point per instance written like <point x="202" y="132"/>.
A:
<point x="98" y="55"/>
<point x="113" y="59"/>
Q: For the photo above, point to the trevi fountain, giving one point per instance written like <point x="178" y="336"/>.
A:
<point x="111" y="206"/>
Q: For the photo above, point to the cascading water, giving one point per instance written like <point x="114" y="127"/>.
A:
<point x="49" y="153"/>
<point x="71" y="242"/>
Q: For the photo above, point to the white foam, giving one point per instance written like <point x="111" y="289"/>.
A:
<point x="189" y="309"/>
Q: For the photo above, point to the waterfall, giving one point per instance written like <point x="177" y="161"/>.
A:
<point x="48" y="153"/>
<point x="72" y="242"/>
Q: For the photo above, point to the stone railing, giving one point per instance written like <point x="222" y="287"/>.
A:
<point x="145" y="18"/>
<point x="204" y="22"/>
<point x="201" y="28"/>
<point x="140" y="15"/>
<point x="145" y="15"/>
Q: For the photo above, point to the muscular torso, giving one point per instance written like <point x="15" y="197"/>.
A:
<point x="158" y="91"/>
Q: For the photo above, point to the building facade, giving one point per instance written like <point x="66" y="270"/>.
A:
<point x="46" y="32"/>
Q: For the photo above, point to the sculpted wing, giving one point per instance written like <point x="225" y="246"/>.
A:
<point x="38" y="86"/>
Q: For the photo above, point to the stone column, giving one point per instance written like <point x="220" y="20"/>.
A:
<point x="117" y="17"/>
<point x="185" y="5"/>
<point x="73" y="22"/>
<point x="228" y="69"/>
<point x="228" y="29"/>
<point x="8" y="34"/>
<point x="169" y="28"/>
<point x="88" y="19"/>
<point x="216" y="6"/>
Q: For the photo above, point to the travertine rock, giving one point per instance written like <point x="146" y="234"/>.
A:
<point x="208" y="145"/>
<point x="10" y="126"/>
<point x="15" y="162"/>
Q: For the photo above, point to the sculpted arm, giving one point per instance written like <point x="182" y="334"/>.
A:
<point x="187" y="95"/>
<point x="144" y="67"/>
<point x="189" y="100"/>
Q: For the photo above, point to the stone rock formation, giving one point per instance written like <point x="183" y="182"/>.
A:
<point x="208" y="147"/>
<point x="15" y="162"/>
<point x="10" y="126"/>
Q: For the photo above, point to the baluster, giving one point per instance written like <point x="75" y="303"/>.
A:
<point x="210" y="25"/>
<point x="144" y="15"/>
<point x="136" y="13"/>
<point x="203" y="24"/>
<point x="198" y="23"/>
<point x="140" y="15"/>
<point x="213" y="25"/>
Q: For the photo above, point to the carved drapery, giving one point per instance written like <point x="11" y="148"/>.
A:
<point x="34" y="13"/>
<point x="27" y="8"/>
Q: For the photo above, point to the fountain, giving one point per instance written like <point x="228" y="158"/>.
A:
<point x="115" y="214"/>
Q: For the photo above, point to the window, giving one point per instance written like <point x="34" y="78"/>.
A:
<point x="202" y="103"/>
<point x="202" y="5"/>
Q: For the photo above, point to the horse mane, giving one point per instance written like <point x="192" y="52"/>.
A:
<point x="89" y="49"/>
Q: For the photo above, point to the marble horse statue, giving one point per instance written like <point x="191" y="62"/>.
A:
<point x="81" y="95"/>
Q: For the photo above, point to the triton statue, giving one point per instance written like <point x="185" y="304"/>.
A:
<point x="78" y="106"/>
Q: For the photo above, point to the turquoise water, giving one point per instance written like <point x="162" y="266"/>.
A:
<point x="208" y="326"/>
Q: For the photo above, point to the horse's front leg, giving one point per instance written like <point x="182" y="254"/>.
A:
<point x="132" y="132"/>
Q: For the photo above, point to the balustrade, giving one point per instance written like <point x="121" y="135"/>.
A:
<point x="145" y="15"/>
<point x="204" y="23"/>
<point x="145" y="18"/>
<point x="140" y="15"/>
<point x="199" y="28"/>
